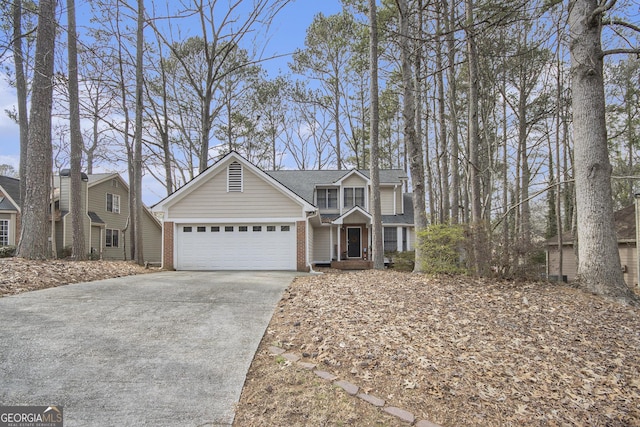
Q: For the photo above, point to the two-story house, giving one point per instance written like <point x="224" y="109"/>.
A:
<point x="106" y="218"/>
<point x="236" y="216"/>
<point x="9" y="211"/>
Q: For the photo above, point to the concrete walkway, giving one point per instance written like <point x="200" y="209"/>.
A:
<point x="162" y="349"/>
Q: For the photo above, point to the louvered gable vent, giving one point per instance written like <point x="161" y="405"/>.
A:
<point x="234" y="177"/>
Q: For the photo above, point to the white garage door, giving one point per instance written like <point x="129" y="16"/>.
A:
<point x="236" y="247"/>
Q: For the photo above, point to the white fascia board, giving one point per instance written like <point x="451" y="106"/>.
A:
<point x="231" y="220"/>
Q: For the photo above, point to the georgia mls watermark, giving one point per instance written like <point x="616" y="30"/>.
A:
<point x="31" y="416"/>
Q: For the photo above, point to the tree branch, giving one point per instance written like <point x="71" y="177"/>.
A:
<point x="621" y="51"/>
<point x="605" y="6"/>
<point x="616" y="21"/>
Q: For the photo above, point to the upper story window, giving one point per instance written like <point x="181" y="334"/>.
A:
<point x="234" y="177"/>
<point x="327" y="198"/>
<point x="353" y="196"/>
<point x="113" y="203"/>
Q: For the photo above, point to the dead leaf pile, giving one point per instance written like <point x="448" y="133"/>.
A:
<point x="465" y="351"/>
<point x="19" y="275"/>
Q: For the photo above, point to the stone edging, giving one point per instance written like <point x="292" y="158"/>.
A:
<point x="352" y="389"/>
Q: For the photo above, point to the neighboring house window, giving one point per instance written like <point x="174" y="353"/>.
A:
<point x="353" y="197"/>
<point x="390" y="239"/>
<point x="327" y="198"/>
<point x="113" y="238"/>
<point x="113" y="203"/>
<point x="4" y="232"/>
<point x="234" y="177"/>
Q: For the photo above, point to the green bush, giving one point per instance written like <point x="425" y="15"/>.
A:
<point x="7" y="251"/>
<point x="441" y="246"/>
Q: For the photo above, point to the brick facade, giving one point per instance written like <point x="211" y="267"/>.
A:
<point x="167" y="246"/>
<point x="301" y="246"/>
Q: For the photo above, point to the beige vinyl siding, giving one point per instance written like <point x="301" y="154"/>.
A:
<point x="628" y="259"/>
<point x="258" y="199"/>
<point x="399" y="206"/>
<point x="569" y="265"/>
<point x="113" y="221"/>
<point x="152" y="238"/>
<point x="356" y="218"/>
<point x="386" y="200"/>
<point x="354" y="180"/>
<point x="322" y="244"/>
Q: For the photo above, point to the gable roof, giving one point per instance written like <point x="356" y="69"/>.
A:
<point x="211" y="170"/>
<point x="11" y="188"/>
<point x="304" y="182"/>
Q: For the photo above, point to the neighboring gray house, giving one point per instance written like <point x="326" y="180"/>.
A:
<point x="105" y="202"/>
<point x="9" y="211"/>
<point x="234" y="216"/>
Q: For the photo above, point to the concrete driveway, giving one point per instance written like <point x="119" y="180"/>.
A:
<point x="161" y="349"/>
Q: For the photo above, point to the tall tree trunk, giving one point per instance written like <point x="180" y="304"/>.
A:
<point x="34" y="235"/>
<point x="449" y="16"/>
<point x="78" y="250"/>
<point x="414" y="148"/>
<point x="137" y="153"/>
<point x="479" y="249"/>
<point x="599" y="260"/>
<point x="21" y="89"/>
<point x="336" y="118"/>
<point x="376" y="221"/>
<point x="445" y="210"/>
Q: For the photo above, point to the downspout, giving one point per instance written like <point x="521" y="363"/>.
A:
<point x="307" y="252"/>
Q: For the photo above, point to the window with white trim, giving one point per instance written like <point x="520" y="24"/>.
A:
<point x="112" y="238"/>
<point x="353" y="196"/>
<point x="234" y="178"/>
<point x="113" y="203"/>
<point x="390" y="239"/>
<point x="4" y="232"/>
<point x="327" y="198"/>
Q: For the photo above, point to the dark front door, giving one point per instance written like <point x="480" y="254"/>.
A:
<point x="354" y="246"/>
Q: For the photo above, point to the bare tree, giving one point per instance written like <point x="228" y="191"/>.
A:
<point x="416" y="160"/>
<point x="78" y="251"/>
<point x="376" y="220"/>
<point x="136" y="186"/>
<point x="21" y="89"/>
<point x="35" y="215"/>
<point x="598" y="258"/>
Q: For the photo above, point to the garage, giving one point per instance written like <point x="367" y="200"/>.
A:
<point x="264" y="246"/>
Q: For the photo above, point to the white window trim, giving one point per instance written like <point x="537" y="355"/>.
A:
<point x="4" y="225"/>
<point x="115" y="203"/>
<point x="364" y="199"/>
<point x="110" y="245"/>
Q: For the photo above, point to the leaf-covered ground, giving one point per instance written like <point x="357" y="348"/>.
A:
<point x="452" y="350"/>
<point x="19" y="275"/>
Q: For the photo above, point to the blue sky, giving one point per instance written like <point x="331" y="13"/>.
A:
<point x="286" y="34"/>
